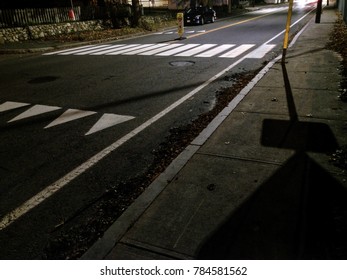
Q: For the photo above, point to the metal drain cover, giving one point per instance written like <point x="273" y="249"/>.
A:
<point x="181" y="63"/>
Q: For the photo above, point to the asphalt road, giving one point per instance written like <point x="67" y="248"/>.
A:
<point x="78" y="122"/>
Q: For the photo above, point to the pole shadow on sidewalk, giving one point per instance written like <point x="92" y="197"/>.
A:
<point x="298" y="213"/>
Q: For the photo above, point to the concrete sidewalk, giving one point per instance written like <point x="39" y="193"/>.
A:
<point x="258" y="182"/>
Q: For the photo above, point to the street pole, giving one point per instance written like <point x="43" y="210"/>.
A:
<point x="229" y="6"/>
<point x="180" y="25"/>
<point x="286" y="34"/>
<point x="318" y="11"/>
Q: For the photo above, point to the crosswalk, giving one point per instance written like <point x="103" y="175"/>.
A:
<point x="176" y="33"/>
<point x="175" y="49"/>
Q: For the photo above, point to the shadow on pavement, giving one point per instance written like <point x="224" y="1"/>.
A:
<point x="300" y="212"/>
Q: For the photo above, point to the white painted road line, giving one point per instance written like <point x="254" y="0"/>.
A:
<point x="178" y="50"/>
<point x="152" y="52"/>
<point x="108" y="120"/>
<point x="61" y="51"/>
<point x="196" y="50"/>
<point x="34" y="111"/>
<point x="92" y="50"/>
<point x="261" y="51"/>
<point x="125" y="49"/>
<point x="9" y="105"/>
<point x="145" y="49"/>
<point x="164" y="49"/>
<point x="78" y="50"/>
<point x="70" y="115"/>
<point x="108" y="49"/>
<point x="216" y="50"/>
<point x="135" y="49"/>
<point x="238" y="51"/>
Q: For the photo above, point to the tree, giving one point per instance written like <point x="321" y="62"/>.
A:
<point x="135" y="12"/>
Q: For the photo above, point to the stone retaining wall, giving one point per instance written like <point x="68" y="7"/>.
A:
<point x="34" y="32"/>
<point x="40" y="31"/>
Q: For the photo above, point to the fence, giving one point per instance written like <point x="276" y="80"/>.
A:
<point x="35" y="16"/>
<point x="24" y="17"/>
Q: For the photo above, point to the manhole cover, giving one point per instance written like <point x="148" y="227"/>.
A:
<point x="44" y="79"/>
<point x="182" y="63"/>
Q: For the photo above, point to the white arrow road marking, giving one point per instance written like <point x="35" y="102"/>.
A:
<point x="70" y="115"/>
<point x="35" y="110"/>
<point x="9" y="105"/>
<point x="108" y="120"/>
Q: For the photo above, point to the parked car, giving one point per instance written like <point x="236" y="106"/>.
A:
<point x="199" y="15"/>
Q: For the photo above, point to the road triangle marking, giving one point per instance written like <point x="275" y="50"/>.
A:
<point x="70" y="115"/>
<point x="108" y="120"/>
<point x="9" y="105"/>
<point x="35" y="110"/>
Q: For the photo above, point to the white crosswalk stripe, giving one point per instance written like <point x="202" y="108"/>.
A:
<point x="178" y="50"/>
<point x="109" y="49"/>
<point x="216" y="50"/>
<point x="175" y="32"/>
<point x="238" y="51"/>
<point x="196" y="50"/>
<point x="175" y="49"/>
<point x="62" y="51"/>
<point x="161" y="49"/>
<point x="125" y="49"/>
<point x="145" y="49"/>
<point x="261" y="51"/>
<point x="74" y="51"/>
<point x="91" y="51"/>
